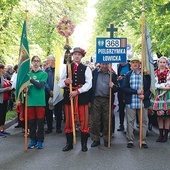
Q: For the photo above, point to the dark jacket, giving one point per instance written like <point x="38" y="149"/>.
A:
<point x="50" y="80"/>
<point x="128" y="92"/>
<point x="119" y="68"/>
<point x="94" y="81"/>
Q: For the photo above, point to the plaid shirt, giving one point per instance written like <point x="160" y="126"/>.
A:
<point x="135" y="83"/>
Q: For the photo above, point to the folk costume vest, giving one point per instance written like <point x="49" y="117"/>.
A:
<point x="78" y="77"/>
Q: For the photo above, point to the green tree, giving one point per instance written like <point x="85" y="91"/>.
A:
<point x="127" y="15"/>
<point x="6" y="9"/>
<point x="43" y="16"/>
<point x="42" y="22"/>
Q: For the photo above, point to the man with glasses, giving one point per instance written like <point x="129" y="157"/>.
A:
<point x="133" y="94"/>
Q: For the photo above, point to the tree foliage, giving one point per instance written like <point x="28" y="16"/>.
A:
<point x="43" y="16"/>
<point x="6" y="8"/>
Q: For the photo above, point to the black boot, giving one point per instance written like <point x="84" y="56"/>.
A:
<point x="160" y="135"/>
<point x="84" y="138"/>
<point x="69" y="145"/>
<point x="165" y="137"/>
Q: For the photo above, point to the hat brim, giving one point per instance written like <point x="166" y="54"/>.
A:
<point x="77" y="52"/>
<point x="135" y="60"/>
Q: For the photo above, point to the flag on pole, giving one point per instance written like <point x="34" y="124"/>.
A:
<point x="24" y="63"/>
<point x="148" y="60"/>
<point x="57" y="91"/>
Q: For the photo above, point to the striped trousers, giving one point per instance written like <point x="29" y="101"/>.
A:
<point x="82" y="117"/>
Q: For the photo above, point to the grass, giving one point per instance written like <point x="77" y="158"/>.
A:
<point x="10" y="115"/>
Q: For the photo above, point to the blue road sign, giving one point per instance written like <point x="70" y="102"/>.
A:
<point x="111" y="50"/>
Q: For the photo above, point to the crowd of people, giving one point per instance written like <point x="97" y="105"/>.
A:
<point x="84" y="101"/>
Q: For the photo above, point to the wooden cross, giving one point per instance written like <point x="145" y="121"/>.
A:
<point x="111" y="30"/>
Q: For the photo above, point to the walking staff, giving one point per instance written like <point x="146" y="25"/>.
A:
<point x="66" y="28"/>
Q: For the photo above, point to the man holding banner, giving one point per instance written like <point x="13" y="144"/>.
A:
<point x="81" y="82"/>
<point x="133" y="96"/>
<point x="100" y="102"/>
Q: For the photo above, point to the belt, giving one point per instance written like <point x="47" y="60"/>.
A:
<point x="102" y="96"/>
<point x="73" y="88"/>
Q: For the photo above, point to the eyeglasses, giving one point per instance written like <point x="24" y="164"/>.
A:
<point x="36" y="61"/>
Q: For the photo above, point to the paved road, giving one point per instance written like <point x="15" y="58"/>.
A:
<point x="118" y="157"/>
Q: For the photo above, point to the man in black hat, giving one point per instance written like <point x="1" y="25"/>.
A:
<point x="81" y="82"/>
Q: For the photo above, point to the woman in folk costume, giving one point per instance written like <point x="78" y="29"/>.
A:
<point x="161" y="102"/>
<point x="81" y="82"/>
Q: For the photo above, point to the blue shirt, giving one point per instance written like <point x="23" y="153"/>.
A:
<point x="135" y="83"/>
<point x="124" y="69"/>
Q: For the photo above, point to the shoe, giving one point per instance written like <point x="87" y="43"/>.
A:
<point x="159" y="139"/>
<point x="39" y="145"/>
<point x="67" y="147"/>
<point x="84" y="147"/>
<point x="2" y="135"/>
<point x="48" y="131"/>
<point x="32" y="144"/>
<point x="95" y="143"/>
<point x="130" y="145"/>
<point x="106" y="143"/>
<point x="5" y="133"/>
<point x="144" y="145"/>
<point x="164" y="140"/>
<point x="59" y="131"/>
<point x="18" y="126"/>
<point x="121" y="128"/>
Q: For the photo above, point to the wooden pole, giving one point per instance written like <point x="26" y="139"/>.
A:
<point x="26" y="98"/>
<point x="71" y="100"/>
<point x="110" y="107"/>
<point x="26" y="122"/>
<point x="142" y="62"/>
<point x="111" y="30"/>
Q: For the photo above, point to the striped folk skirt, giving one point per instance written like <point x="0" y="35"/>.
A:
<point x="160" y="104"/>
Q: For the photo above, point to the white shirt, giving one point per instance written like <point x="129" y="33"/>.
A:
<point x="14" y="80"/>
<point x="85" y="87"/>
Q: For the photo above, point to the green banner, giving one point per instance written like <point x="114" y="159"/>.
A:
<point x="24" y="64"/>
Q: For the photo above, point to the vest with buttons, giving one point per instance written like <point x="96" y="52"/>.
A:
<point x="78" y="77"/>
